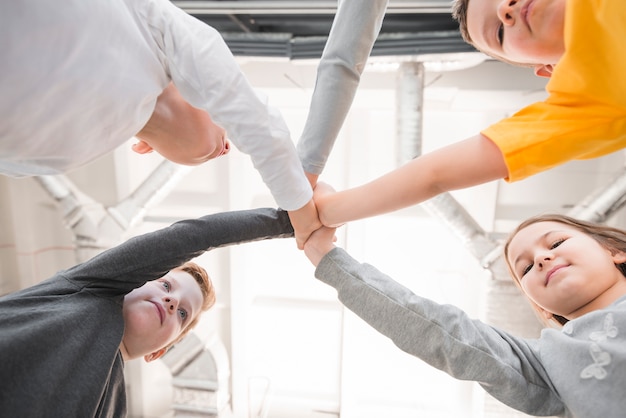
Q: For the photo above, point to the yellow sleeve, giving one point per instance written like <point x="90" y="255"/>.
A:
<point x="585" y="113"/>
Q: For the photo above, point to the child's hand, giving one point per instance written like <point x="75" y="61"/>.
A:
<point x="304" y="222"/>
<point x="321" y="193"/>
<point x="320" y="243"/>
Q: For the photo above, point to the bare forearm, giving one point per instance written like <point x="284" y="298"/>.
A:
<point x="304" y="220"/>
<point x="312" y="178"/>
<point x="467" y="163"/>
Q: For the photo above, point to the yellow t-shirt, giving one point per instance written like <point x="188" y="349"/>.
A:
<point x="585" y="114"/>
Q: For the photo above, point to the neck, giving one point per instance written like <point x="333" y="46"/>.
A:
<point x="605" y="299"/>
<point x="125" y="355"/>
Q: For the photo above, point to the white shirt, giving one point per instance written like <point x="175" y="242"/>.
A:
<point x="81" y="77"/>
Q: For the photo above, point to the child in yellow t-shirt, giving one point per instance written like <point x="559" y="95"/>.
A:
<point x="583" y="117"/>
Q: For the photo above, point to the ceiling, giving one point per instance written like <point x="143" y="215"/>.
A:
<point x="298" y="29"/>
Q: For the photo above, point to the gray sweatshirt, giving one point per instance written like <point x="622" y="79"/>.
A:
<point x="579" y="371"/>
<point x="350" y="41"/>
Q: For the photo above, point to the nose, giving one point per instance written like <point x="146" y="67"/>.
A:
<point x="171" y="304"/>
<point x="226" y="147"/>
<point x="543" y="258"/>
<point x="505" y="12"/>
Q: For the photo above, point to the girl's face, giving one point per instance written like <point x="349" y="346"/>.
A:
<point x="565" y="271"/>
<point x="521" y="31"/>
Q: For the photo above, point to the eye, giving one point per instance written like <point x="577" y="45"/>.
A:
<point x="556" y="243"/>
<point x="526" y="269"/>
<point x="182" y="313"/>
<point x="500" y="34"/>
<point x="166" y="285"/>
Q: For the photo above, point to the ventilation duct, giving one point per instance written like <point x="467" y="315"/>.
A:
<point x="299" y="29"/>
<point x="409" y="111"/>
<point x="602" y="204"/>
<point x="310" y="47"/>
<point x="299" y="7"/>
<point x="97" y="228"/>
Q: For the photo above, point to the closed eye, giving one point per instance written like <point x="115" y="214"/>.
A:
<point x="526" y="269"/>
<point x="557" y="243"/>
<point x="500" y="34"/>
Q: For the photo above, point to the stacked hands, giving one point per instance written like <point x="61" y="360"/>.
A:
<point x="314" y="236"/>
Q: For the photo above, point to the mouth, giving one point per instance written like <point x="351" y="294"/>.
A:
<point x="525" y="11"/>
<point x="552" y="272"/>
<point x="160" y="311"/>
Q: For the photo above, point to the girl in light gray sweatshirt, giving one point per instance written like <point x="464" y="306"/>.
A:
<point x="573" y="272"/>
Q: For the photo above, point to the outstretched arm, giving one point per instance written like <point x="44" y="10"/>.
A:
<point x="350" y="41"/>
<point x="473" y="161"/>
<point x="150" y="256"/>
<point x="208" y="77"/>
<point x="441" y="335"/>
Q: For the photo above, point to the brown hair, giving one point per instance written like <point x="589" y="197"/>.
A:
<point x="201" y="277"/>
<point x="459" y="13"/>
<point x="613" y="239"/>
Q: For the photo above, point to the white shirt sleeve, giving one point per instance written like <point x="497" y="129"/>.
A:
<point x="208" y="77"/>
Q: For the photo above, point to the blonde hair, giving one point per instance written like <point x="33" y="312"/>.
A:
<point x="613" y="239"/>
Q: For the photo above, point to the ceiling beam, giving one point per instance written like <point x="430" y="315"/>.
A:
<point x="275" y="7"/>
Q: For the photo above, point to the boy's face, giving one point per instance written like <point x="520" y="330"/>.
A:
<point x="563" y="270"/>
<point x="519" y="31"/>
<point x="156" y="313"/>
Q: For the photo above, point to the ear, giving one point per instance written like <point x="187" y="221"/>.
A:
<point x="544" y="70"/>
<point x="619" y="257"/>
<point x="154" y="355"/>
<point x="142" y="147"/>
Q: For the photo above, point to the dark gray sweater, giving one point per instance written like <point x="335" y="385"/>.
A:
<point x="59" y="340"/>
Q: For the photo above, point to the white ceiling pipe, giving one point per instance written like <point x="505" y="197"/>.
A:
<point x="409" y="112"/>
<point x="97" y="228"/>
<point x="604" y="202"/>
<point x="154" y="189"/>
<point x="82" y="215"/>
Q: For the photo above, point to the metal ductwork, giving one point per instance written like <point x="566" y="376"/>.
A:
<point x="97" y="228"/>
<point x="290" y="7"/>
<point x="600" y="205"/>
<point x="154" y="189"/>
<point x="83" y="216"/>
<point x="409" y="111"/>
<point x="299" y="29"/>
